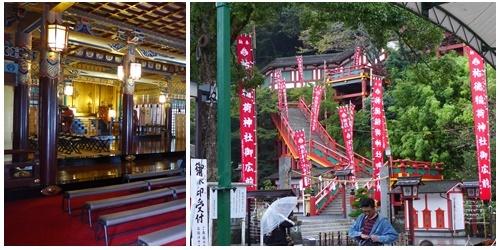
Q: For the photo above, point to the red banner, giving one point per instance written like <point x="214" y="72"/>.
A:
<point x="357" y="57"/>
<point x="277" y="80"/>
<point x="301" y="70"/>
<point x="316" y="102"/>
<point x="248" y="128"/>
<point x="346" y="124"/>
<point x="377" y="114"/>
<point x="481" y="122"/>
<point x="300" y="141"/>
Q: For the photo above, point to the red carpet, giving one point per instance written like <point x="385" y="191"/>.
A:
<point x="41" y="222"/>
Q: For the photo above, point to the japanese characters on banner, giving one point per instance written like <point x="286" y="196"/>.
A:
<point x="248" y="132"/>
<point x="357" y="57"/>
<point x="301" y="70"/>
<point x="300" y="141"/>
<point x="346" y="114"/>
<point x="282" y="91"/>
<point x="378" y="121"/>
<point x="199" y="209"/>
<point x="316" y="102"/>
<point x="481" y="122"/>
<point x="277" y="79"/>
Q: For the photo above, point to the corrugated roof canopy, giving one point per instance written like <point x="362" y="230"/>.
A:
<point x="472" y="22"/>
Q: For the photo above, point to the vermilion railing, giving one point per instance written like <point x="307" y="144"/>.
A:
<point x="331" y="154"/>
<point x="341" y="73"/>
<point x="330" y="149"/>
<point x="286" y="132"/>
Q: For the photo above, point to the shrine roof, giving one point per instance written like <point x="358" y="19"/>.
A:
<point x="440" y="186"/>
<point x="331" y="58"/>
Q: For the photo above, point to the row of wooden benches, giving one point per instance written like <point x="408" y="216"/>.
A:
<point x="148" y="183"/>
<point x="105" y="221"/>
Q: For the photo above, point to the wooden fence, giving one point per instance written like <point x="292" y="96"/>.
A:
<point x="339" y="238"/>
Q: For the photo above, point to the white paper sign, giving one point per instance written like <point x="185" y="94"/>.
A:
<point x="199" y="218"/>
<point x="238" y="202"/>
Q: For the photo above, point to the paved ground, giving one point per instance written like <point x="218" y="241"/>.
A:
<point x="452" y="241"/>
<point x="437" y="241"/>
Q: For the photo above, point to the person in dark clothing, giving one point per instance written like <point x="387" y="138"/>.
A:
<point x="278" y="236"/>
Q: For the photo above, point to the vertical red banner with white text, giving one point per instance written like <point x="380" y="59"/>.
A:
<point x="346" y="114"/>
<point x="248" y="134"/>
<point x="300" y="141"/>
<point x="377" y="116"/>
<point x="481" y="122"/>
<point x="358" y="53"/>
<point x="277" y="80"/>
<point x="316" y="103"/>
<point x="301" y="70"/>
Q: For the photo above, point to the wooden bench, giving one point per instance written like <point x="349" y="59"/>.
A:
<point x="68" y="195"/>
<point x="178" y="190"/>
<point x="165" y="181"/>
<point x="162" y="237"/>
<point x="129" y="177"/>
<point x="90" y="206"/>
<point x="108" y="220"/>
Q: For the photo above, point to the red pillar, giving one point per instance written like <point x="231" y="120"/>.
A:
<point x="364" y="93"/>
<point x="312" y="205"/>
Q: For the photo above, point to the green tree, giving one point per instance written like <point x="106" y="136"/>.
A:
<point x="361" y="193"/>
<point x="203" y="42"/>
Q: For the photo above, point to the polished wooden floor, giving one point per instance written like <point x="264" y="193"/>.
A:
<point x="92" y="168"/>
<point x="151" y="154"/>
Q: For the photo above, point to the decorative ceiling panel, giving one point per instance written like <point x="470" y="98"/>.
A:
<point x="161" y="27"/>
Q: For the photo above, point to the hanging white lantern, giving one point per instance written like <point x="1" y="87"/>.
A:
<point x="135" y="71"/>
<point x="162" y="98"/>
<point x="68" y="90"/>
<point x="120" y="73"/>
<point x="57" y="37"/>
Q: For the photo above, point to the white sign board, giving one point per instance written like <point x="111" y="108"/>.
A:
<point x="238" y="202"/>
<point x="199" y="218"/>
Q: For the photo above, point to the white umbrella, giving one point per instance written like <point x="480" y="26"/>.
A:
<point x="275" y="214"/>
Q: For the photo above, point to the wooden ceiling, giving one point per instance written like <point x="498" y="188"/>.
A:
<point x="162" y="25"/>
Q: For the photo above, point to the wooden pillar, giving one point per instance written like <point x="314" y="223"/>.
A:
<point x="127" y="131"/>
<point x="48" y="109"/>
<point x="21" y="94"/>
<point x="127" y="134"/>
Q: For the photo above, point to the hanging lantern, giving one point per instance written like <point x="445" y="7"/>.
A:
<point x="68" y="90"/>
<point x="162" y="98"/>
<point x="135" y="71"/>
<point x="111" y="114"/>
<point x="57" y="37"/>
<point x="120" y="73"/>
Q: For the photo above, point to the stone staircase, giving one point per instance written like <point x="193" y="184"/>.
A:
<point x="298" y="121"/>
<point x="335" y="207"/>
<point x="311" y="227"/>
